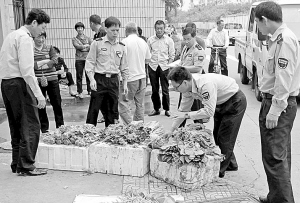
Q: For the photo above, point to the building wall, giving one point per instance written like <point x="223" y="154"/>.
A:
<point x="65" y="13"/>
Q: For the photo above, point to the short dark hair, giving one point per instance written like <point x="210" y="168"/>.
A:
<point x="219" y="22"/>
<point x="95" y="19"/>
<point x="191" y="24"/>
<point x="179" y="74"/>
<point x="56" y="49"/>
<point x="140" y="31"/>
<point x="270" y="10"/>
<point x="159" y="22"/>
<point x="112" y="21"/>
<point x="189" y="30"/>
<point x="79" y="24"/>
<point x="37" y="14"/>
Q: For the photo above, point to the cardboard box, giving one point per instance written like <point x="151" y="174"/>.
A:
<point x="119" y="160"/>
<point x="62" y="157"/>
<point x="187" y="176"/>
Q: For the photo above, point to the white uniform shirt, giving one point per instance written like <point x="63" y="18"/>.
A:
<point x="193" y="57"/>
<point x="137" y="51"/>
<point x="281" y="74"/>
<point x="218" y="38"/>
<point x="17" y="59"/>
<point x="162" y="50"/>
<point x="212" y="89"/>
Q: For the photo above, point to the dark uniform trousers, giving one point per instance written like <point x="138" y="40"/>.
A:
<point x="79" y="65"/>
<point x="276" y="151"/>
<point x="24" y="123"/>
<point x="155" y="77"/>
<point x="223" y="60"/>
<point x="227" y="121"/>
<point x="105" y="98"/>
<point x="52" y="89"/>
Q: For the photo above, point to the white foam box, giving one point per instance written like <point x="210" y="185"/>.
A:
<point x="119" y="160"/>
<point x="62" y="157"/>
<point x="186" y="176"/>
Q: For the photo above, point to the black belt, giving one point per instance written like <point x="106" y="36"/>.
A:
<point x="217" y="46"/>
<point x="108" y="75"/>
<point x="269" y="96"/>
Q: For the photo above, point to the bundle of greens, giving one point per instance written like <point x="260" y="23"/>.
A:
<point x="79" y="135"/>
<point x="188" y="145"/>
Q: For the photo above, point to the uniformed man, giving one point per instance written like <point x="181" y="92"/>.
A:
<point x="192" y="58"/>
<point x="106" y="59"/>
<point x="221" y="98"/>
<point x="280" y="86"/>
<point x="95" y="24"/>
<point x="200" y="41"/>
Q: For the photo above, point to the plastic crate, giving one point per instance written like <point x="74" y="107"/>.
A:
<point x="62" y="157"/>
<point x="119" y="160"/>
<point x="187" y="176"/>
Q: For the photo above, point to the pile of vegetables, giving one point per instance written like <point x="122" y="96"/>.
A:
<point x="136" y="133"/>
<point x="143" y="197"/>
<point x="79" y="135"/>
<point x="189" y="145"/>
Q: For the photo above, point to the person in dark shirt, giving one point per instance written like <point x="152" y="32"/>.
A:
<point x="140" y="31"/>
<point x="95" y="24"/>
<point x="66" y="76"/>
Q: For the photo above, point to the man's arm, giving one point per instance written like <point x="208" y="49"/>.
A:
<point x="26" y="63"/>
<point x="226" y="39"/>
<point x="124" y="69"/>
<point x="91" y="61"/>
<point x="77" y="45"/>
<point x="171" y="50"/>
<point x="209" y="39"/>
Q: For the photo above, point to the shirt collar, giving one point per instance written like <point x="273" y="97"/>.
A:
<point x="159" y="38"/>
<point x="277" y="32"/>
<point x="26" y="30"/>
<point x="105" y="39"/>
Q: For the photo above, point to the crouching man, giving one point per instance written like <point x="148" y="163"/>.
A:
<point x="221" y="98"/>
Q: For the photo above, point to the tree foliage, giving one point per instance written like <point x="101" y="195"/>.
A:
<point x="172" y="5"/>
<point x="208" y="13"/>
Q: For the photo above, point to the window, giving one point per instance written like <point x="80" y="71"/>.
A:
<point x="251" y="22"/>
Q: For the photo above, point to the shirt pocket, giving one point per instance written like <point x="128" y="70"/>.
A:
<point x="270" y="65"/>
<point x="118" y="57"/>
<point x="103" y="56"/>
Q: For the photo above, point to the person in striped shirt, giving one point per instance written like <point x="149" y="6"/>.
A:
<point x="44" y="68"/>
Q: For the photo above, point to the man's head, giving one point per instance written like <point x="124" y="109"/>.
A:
<point x="130" y="28"/>
<point x="220" y="25"/>
<point x="189" y="36"/>
<point x="95" y="22"/>
<point x="159" y="27"/>
<point x="79" y="27"/>
<point x="40" y="40"/>
<point x="268" y="16"/>
<point x="181" y="79"/>
<point x="36" y="21"/>
<point x="112" y="27"/>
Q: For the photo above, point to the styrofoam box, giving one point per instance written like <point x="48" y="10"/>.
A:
<point x="62" y="157"/>
<point x="187" y="176"/>
<point x="120" y="160"/>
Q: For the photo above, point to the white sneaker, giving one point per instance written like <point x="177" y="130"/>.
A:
<point x="80" y="96"/>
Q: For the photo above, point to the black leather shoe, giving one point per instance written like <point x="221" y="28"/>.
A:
<point x="35" y="172"/>
<point x="221" y="175"/>
<point x="263" y="200"/>
<point x="167" y="113"/>
<point x="13" y="168"/>
<point x="232" y="168"/>
<point x="154" y="113"/>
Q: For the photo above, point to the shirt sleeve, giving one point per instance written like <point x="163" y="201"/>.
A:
<point x="124" y="69"/>
<point x="26" y="64"/>
<point x="91" y="59"/>
<point x="285" y="60"/>
<point x="209" y="38"/>
<point x="185" y="106"/>
<point x="171" y="50"/>
<point x="148" y="54"/>
<point x="76" y="44"/>
<point x="209" y="100"/>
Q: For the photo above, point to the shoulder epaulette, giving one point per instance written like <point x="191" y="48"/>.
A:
<point x="98" y="39"/>
<point x="198" y="47"/>
<point x="279" y="38"/>
<point x="122" y="43"/>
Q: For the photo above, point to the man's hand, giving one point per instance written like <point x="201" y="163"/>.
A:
<point x="60" y="72"/>
<point x="43" y="67"/>
<point x="41" y="103"/>
<point x="271" y="121"/>
<point x="93" y="85"/>
<point x="125" y="92"/>
<point x="205" y="120"/>
<point x="63" y="75"/>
